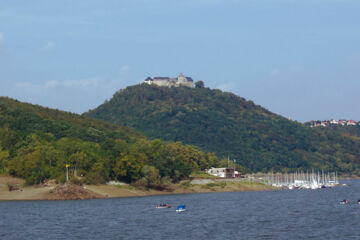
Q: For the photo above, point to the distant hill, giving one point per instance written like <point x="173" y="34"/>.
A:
<point x="229" y="125"/>
<point x="37" y="142"/>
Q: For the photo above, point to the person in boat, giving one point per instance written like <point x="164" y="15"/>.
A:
<point x="345" y="201"/>
<point x="163" y="205"/>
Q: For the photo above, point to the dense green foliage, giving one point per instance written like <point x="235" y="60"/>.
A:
<point x="37" y="142"/>
<point x="229" y="125"/>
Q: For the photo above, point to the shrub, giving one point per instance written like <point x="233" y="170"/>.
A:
<point x="141" y="183"/>
<point x="185" y="184"/>
<point x="77" y="181"/>
<point x="12" y="187"/>
<point x="211" y="185"/>
<point x="94" y="178"/>
<point x="166" y="180"/>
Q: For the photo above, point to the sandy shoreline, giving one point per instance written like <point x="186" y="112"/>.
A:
<point x="49" y="192"/>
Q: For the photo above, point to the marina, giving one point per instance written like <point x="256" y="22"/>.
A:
<point x="301" y="180"/>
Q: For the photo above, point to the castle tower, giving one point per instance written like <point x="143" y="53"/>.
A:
<point x="181" y="78"/>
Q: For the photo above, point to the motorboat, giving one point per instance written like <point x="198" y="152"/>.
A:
<point x="180" y="208"/>
<point x="163" y="205"/>
<point x="345" y="201"/>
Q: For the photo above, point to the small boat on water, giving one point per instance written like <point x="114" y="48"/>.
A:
<point x="180" y="208"/>
<point x="345" y="201"/>
<point x="358" y="201"/>
<point x="163" y="205"/>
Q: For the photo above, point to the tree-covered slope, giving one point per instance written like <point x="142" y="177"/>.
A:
<point x="229" y="125"/>
<point x="37" y="142"/>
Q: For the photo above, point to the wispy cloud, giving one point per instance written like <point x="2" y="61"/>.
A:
<point x="81" y="83"/>
<point x="51" y="84"/>
<point x="54" y="84"/>
<point x="1" y="38"/>
<point x="4" y="51"/>
<point x="274" y="72"/>
<point x="226" y="86"/>
<point x="22" y="14"/>
<point x="124" y="69"/>
<point x="48" y="46"/>
<point x="31" y="88"/>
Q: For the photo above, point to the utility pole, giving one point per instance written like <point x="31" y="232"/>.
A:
<point x="67" y="171"/>
<point x="234" y="167"/>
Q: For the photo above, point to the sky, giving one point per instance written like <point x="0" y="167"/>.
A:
<point x="299" y="59"/>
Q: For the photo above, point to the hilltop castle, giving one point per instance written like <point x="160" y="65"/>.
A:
<point x="171" y="82"/>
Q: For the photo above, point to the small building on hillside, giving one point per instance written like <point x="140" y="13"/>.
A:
<point x="332" y="121"/>
<point x="351" y="123"/>
<point x="227" y="172"/>
<point x="342" y="122"/>
<point x="181" y="80"/>
<point x="324" y="124"/>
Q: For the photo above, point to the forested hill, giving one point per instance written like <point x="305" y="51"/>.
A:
<point x="229" y="125"/>
<point x="37" y="142"/>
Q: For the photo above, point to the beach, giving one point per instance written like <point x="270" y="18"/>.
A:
<point x="52" y="191"/>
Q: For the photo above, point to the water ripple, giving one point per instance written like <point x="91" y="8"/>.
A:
<point x="302" y="214"/>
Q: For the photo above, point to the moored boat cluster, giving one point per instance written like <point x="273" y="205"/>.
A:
<point x="302" y="180"/>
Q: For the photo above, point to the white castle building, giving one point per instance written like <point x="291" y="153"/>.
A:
<point x="181" y="80"/>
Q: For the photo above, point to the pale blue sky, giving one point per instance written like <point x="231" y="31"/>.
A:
<point x="297" y="58"/>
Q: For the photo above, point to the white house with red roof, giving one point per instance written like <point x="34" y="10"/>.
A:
<point x="332" y="121"/>
<point x="324" y="124"/>
<point x="342" y="122"/>
<point x="351" y="123"/>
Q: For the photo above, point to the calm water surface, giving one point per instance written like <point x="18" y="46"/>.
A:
<point x="299" y="214"/>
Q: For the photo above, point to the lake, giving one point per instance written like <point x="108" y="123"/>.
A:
<point x="286" y="214"/>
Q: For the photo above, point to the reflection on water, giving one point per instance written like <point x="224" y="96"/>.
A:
<point x="297" y="214"/>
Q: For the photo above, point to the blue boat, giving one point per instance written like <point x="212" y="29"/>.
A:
<point x="180" y="208"/>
